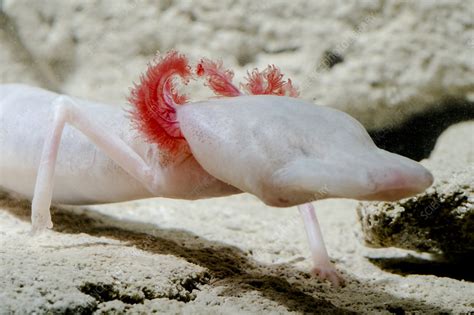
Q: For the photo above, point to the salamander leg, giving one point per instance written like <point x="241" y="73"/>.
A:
<point x="66" y="111"/>
<point x="323" y="268"/>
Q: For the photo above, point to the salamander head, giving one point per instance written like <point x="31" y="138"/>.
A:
<point x="283" y="150"/>
<point x="396" y="177"/>
<point x="373" y="175"/>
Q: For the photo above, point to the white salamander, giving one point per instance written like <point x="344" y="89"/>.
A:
<point x="281" y="149"/>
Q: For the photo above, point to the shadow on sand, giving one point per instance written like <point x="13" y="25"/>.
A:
<point x="458" y="269"/>
<point x="228" y="266"/>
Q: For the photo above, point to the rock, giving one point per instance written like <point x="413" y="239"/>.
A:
<point x="19" y="63"/>
<point x="380" y="61"/>
<point x="455" y="147"/>
<point x="440" y="220"/>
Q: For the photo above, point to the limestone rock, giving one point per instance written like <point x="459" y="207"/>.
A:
<point x="440" y="220"/>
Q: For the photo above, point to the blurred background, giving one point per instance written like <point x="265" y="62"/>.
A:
<point x="403" y="68"/>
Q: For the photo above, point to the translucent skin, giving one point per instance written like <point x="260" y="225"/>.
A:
<point x="85" y="174"/>
<point x="288" y="152"/>
<point x="283" y="150"/>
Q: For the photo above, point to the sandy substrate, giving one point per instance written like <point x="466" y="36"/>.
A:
<point x="227" y="255"/>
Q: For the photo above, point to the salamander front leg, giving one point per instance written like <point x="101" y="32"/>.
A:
<point x="113" y="146"/>
<point x="323" y="268"/>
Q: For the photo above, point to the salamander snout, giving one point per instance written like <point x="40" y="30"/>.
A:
<point x="398" y="177"/>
